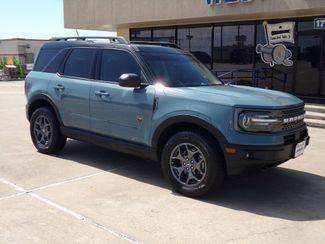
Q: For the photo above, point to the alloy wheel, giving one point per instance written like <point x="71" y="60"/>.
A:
<point x="43" y="131"/>
<point x="188" y="164"/>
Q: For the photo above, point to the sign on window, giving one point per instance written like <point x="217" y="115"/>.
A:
<point x="274" y="51"/>
<point x="319" y="24"/>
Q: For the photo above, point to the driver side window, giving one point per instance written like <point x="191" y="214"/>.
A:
<point x="114" y="63"/>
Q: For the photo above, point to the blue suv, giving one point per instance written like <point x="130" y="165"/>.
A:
<point x="160" y="103"/>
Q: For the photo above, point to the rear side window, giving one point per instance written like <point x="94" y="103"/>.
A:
<point x="56" y="62"/>
<point x="43" y="59"/>
<point x="80" y="63"/>
<point x="115" y="63"/>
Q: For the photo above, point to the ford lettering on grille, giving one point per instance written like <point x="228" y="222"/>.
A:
<point x="293" y="119"/>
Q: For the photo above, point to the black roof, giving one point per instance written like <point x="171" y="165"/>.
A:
<point x="62" y="44"/>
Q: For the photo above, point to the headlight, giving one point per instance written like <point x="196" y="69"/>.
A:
<point x="257" y="121"/>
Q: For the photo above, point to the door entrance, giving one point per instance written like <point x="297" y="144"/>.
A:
<point x="310" y="74"/>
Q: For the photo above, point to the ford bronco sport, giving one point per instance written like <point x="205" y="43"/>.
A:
<point x="160" y="103"/>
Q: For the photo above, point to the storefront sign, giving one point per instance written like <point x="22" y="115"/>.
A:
<point x="282" y="32"/>
<point x="213" y="2"/>
<point x="319" y="24"/>
<point x="275" y="51"/>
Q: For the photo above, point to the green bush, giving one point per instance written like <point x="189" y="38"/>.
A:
<point x="20" y="68"/>
<point x="2" y="62"/>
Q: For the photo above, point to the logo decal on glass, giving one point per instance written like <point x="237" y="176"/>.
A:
<point x="275" y="51"/>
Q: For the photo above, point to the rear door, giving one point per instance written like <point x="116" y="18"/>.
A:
<point x="71" y="88"/>
<point x="120" y="112"/>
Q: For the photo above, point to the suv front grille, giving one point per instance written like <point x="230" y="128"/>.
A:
<point x="292" y="118"/>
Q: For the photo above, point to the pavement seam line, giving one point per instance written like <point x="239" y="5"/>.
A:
<point x="18" y="188"/>
<point x="65" y="181"/>
<point x="76" y="179"/>
<point x="57" y="206"/>
<point x="76" y="215"/>
<point x="11" y="196"/>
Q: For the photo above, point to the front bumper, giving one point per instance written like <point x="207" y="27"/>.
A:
<point x="258" y="157"/>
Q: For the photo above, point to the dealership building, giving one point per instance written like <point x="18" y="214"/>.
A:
<point x="274" y="44"/>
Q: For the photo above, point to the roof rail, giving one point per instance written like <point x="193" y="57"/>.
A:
<point x="117" y="39"/>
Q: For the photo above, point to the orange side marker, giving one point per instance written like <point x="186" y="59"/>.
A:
<point x="231" y="150"/>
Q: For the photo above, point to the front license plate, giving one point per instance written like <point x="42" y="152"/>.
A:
<point x="300" y="148"/>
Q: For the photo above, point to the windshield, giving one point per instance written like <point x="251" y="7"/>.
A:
<point x="179" y="70"/>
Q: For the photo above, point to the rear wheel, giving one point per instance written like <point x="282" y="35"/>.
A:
<point x="193" y="164"/>
<point x="45" y="131"/>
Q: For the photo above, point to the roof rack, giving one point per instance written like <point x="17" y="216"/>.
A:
<point x="164" y="44"/>
<point x="118" y="39"/>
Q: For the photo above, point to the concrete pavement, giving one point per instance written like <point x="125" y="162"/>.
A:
<point x="90" y="194"/>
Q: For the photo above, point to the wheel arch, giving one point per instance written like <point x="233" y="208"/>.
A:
<point x="42" y="100"/>
<point x="180" y="123"/>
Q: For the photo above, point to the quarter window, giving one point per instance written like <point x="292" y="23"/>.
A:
<point x="115" y="63"/>
<point x="53" y="66"/>
<point x="43" y="59"/>
<point x="80" y="63"/>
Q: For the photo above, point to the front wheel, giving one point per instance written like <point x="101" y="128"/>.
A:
<point x="45" y="131"/>
<point x="193" y="164"/>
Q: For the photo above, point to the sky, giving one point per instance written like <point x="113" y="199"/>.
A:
<point x="38" y="19"/>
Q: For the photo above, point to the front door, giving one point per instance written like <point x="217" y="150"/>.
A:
<point x="119" y="112"/>
<point x="310" y="75"/>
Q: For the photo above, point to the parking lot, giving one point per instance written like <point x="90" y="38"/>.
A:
<point x="90" y="194"/>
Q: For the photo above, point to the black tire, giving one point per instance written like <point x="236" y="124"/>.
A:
<point x="57" y="141"/>
<point x="215" y="164"/>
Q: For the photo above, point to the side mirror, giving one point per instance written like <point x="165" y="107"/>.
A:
<point x="130" y="80"/>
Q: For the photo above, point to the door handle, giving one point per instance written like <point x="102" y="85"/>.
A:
<point x="101" y="94"/>
<point x="59" y="87"/>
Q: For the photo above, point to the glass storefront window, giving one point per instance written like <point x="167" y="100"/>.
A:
<point x="310" y="73"/>
<point x="229" y="46"/>
<point x="141" y="35"/>
<point x="198" y="41"/>
<point x="234" y="51"/>
<point x="164" y="35"/>
<point x="217" y="48"/>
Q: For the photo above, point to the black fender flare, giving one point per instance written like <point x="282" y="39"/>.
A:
<point x="39" y="98"/>
<point x="187" y="119"/>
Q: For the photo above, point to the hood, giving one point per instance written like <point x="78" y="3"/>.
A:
<point x="239" y="96"/>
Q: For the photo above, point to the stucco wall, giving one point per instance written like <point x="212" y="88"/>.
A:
<point x="113" y="14"/>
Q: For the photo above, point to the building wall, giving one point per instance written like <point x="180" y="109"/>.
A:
<point x="21" y="48"/>
<point x="125" y="32"/>
<point x="117" y="14"/>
